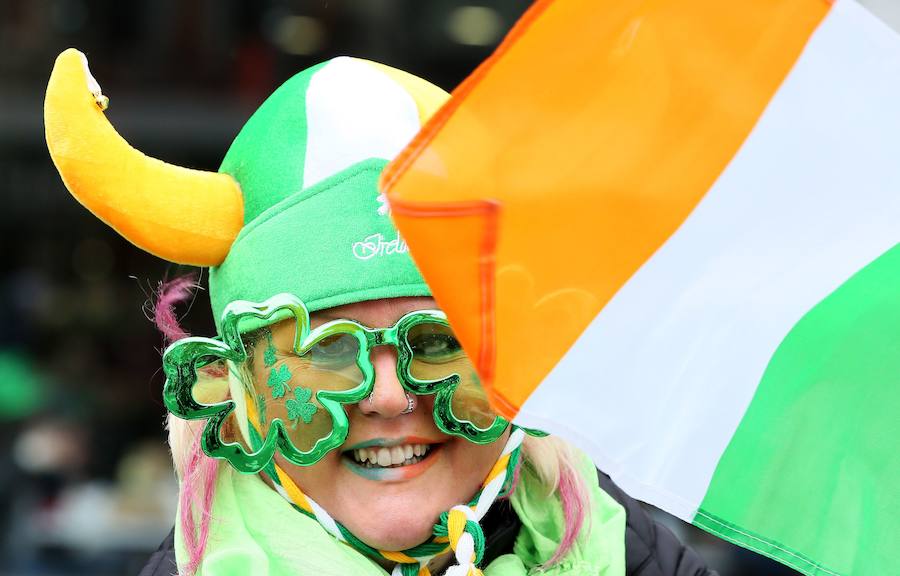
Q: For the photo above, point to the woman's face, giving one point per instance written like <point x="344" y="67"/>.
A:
<point x="390" y="506"/>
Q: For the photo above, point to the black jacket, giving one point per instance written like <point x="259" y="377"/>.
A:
<point x="650" y="549"/>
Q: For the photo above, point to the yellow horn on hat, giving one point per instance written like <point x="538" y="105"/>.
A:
<point x="181" y="215"/>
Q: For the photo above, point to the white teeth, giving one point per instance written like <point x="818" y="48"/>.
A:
<point x="404" y="455"/>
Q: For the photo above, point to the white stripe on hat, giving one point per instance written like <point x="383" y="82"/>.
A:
<point x="354" y="112"/>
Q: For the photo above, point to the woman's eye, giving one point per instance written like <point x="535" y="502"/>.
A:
<point x="334" y="352"/>
<point x="435" y="347"/>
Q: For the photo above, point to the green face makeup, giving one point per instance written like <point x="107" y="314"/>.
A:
<point x="297" y="388"/>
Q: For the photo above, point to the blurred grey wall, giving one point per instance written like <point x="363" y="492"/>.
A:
<point x="887" y="10"/>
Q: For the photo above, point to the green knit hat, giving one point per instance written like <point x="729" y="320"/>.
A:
<point x="308" y="163"/>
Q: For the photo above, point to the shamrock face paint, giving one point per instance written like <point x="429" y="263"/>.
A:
<point x="297" y="380"/>
<point x="300" y="407"/>
<point x="278" y="380"/>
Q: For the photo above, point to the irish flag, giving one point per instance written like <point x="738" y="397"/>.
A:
<point x="668" y="230"/>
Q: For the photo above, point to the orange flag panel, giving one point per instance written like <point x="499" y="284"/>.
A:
<point x="571" y="155"/>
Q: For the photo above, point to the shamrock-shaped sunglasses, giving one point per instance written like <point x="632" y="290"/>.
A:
<point x="289" y="384"/>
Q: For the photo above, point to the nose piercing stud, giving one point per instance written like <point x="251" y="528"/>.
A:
<point x="410" y="401"/>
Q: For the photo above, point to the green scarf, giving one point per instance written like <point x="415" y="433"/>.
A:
<point x="255" y="531"/>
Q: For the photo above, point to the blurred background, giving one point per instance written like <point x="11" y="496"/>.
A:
<point x="86" y="485"/>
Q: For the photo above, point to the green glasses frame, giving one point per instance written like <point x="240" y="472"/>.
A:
<point x="183" y="359"/>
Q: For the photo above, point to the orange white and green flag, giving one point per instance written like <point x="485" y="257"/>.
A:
<point x="669" y="231"/>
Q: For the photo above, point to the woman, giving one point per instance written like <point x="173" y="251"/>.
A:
<point x="355" y="435"/>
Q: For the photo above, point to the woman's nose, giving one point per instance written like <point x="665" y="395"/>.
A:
<point x="388" y="398"/>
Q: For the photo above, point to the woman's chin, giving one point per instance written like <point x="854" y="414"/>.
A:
<point x="397" y="512"/>
<point x="395" y="517"/>
<point x="396" y="534"/>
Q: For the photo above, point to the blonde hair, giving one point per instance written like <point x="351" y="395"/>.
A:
<point x="556" y="464"/>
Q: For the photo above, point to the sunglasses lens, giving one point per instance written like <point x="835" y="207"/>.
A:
<point x="470" y="403"/>
<point x="218" y="382"/>
<point x="285" y="385"/>
<point x="437" y="355"/>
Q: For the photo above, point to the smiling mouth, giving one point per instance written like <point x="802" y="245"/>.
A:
<point x="390" y="457"/>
